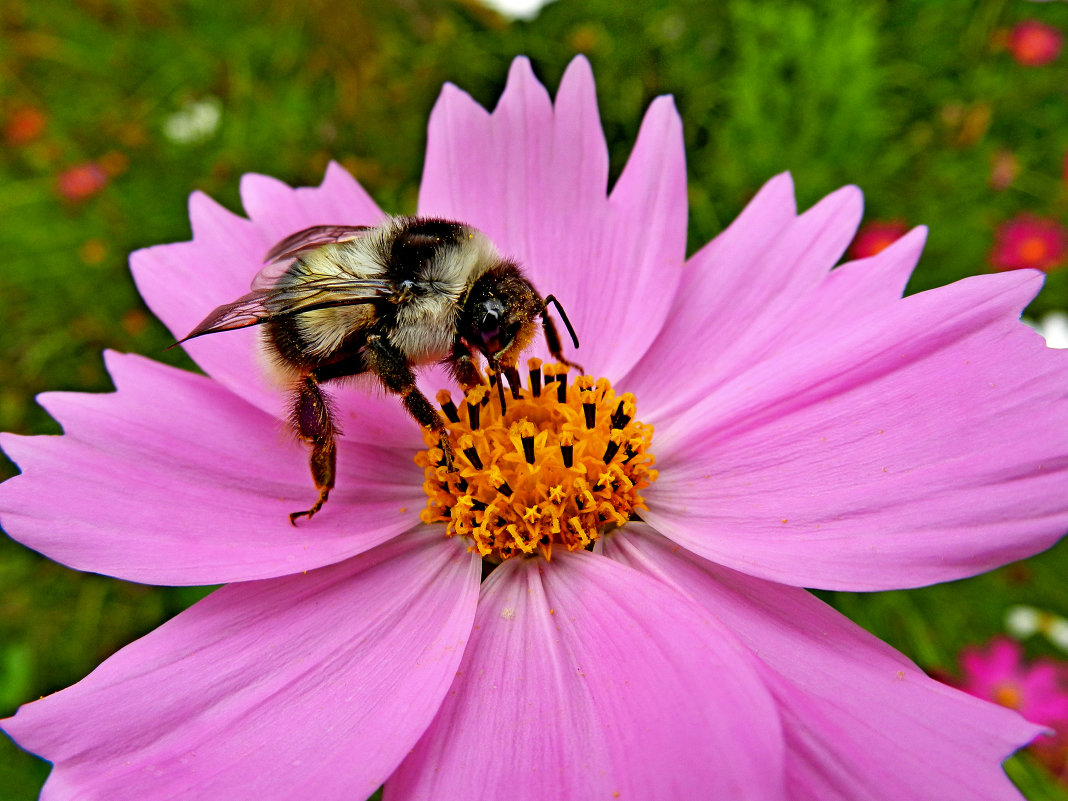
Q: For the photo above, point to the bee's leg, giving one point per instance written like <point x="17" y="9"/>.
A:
<point x="464" y="369"/>
<point x="390" y="365"/>
<point x="314" y="422"/>
<point x="552" y="340"/>
<point x="515" y="383"/>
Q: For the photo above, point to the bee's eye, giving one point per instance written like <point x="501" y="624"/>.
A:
<point x="490" y="329"/>
<point x="489" y="324"/>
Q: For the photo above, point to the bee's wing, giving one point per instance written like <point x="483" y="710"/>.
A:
<point x="245" y="311"/>
<point x="279" y="257"/>
<point x="263" y="305"/>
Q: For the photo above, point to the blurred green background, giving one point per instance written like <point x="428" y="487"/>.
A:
<point x="916" y="102"/>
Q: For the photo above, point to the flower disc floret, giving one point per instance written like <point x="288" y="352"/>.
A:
<point x="561" y="466"/>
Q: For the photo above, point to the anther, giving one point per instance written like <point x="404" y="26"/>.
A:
<point x="620" y="418"/>
<point x="561" y="387"/>
<point x="447" y="406"/>
<point x="467" y="445"/>
<point x="567" y="452"/>
<point x="498" y="480"/>
<point x="567" y="448"/>
<point x="473" y="415"/>
<point x="613" y="445"/>
<point x="526" y="436"/>
<point x="589" y="410"/>
<point x="534" y="365"/>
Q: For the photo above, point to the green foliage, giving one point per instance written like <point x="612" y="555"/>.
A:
<point x="911" y="100"/>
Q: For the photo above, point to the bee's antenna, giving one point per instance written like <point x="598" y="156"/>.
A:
<point x="563" y="316"/>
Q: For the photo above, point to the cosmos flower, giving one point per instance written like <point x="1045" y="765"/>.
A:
<point x="1034" y="44"/>
<point x="1027" y="241"/>
<point x="875" y="237"/>
<point x="810" y="428"/>
<point x="1038" y="690"/>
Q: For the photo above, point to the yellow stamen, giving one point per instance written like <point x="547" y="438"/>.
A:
<point x="565" y="465"/>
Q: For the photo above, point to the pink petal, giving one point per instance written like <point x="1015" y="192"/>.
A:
<point x="279" y="211"/>
<point x="173" y="480"/>
<point x="309" y="686"/>
<point x="860" y="721"/>
<point x="751" y="291"/>
<point x="925" y="442"/>
<point x="534" y="179"/>
<point x="183" y="282"/>
<point x="587" y="680"/>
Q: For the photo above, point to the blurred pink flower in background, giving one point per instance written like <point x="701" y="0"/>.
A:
<point x="875" y="236"/>
<point x="1004" y="169"/>
<point x="1027" y="241"/>
<point x="1038" y="690"/>
<point x="81" y="181"/>
<point x="813" y="428"/>
<point x="1034" y="43"/>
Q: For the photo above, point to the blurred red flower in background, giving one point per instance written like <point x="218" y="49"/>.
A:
<point x="876" y="236"/>
<point x="81" y="181"/>
<point x="1034" y="44"/>
<point x="1029" y="241"/>
<point x="23" y="125"/>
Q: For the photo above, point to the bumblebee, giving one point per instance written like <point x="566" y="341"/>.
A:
<point x="340" y="301"/>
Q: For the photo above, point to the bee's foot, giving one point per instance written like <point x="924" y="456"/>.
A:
<point x="309" y="513"/>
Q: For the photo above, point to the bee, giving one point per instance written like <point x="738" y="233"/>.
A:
<point x="337" y="301"/>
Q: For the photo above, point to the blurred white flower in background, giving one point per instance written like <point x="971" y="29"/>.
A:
<point x="196" y="121"/>
<point x="516" y="9"/>
<point x="1054" y="327"/>
<point x="1022" y="622"/>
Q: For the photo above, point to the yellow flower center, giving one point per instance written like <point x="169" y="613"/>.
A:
<point x="563" y="465"/>
<point x="1008" y="694"/>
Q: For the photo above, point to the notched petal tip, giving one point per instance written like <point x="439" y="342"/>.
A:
<point x="453" y="102"/>
<point x="523" y="89"/>
<point x="257" y="190"/>
<point x="845" y="201"/>
<point x="208" y="217"/>
<point x="579" y="69"/>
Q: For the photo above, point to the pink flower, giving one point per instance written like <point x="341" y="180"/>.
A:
<point x="1027" y="241"/>
<point x="1038" y="691"/>
<point x="875" y="237"/>
<point x="1004" y="170"/>
<point x="812" y="429"/>
<point x="1033" y="43"/>
<point x="81" y="181"/>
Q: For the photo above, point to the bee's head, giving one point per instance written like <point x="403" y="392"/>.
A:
<point x="500" y="315"/>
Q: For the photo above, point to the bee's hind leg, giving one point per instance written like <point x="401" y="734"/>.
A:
<point x="396" y="374"/>
<point x="313" y="420"/>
